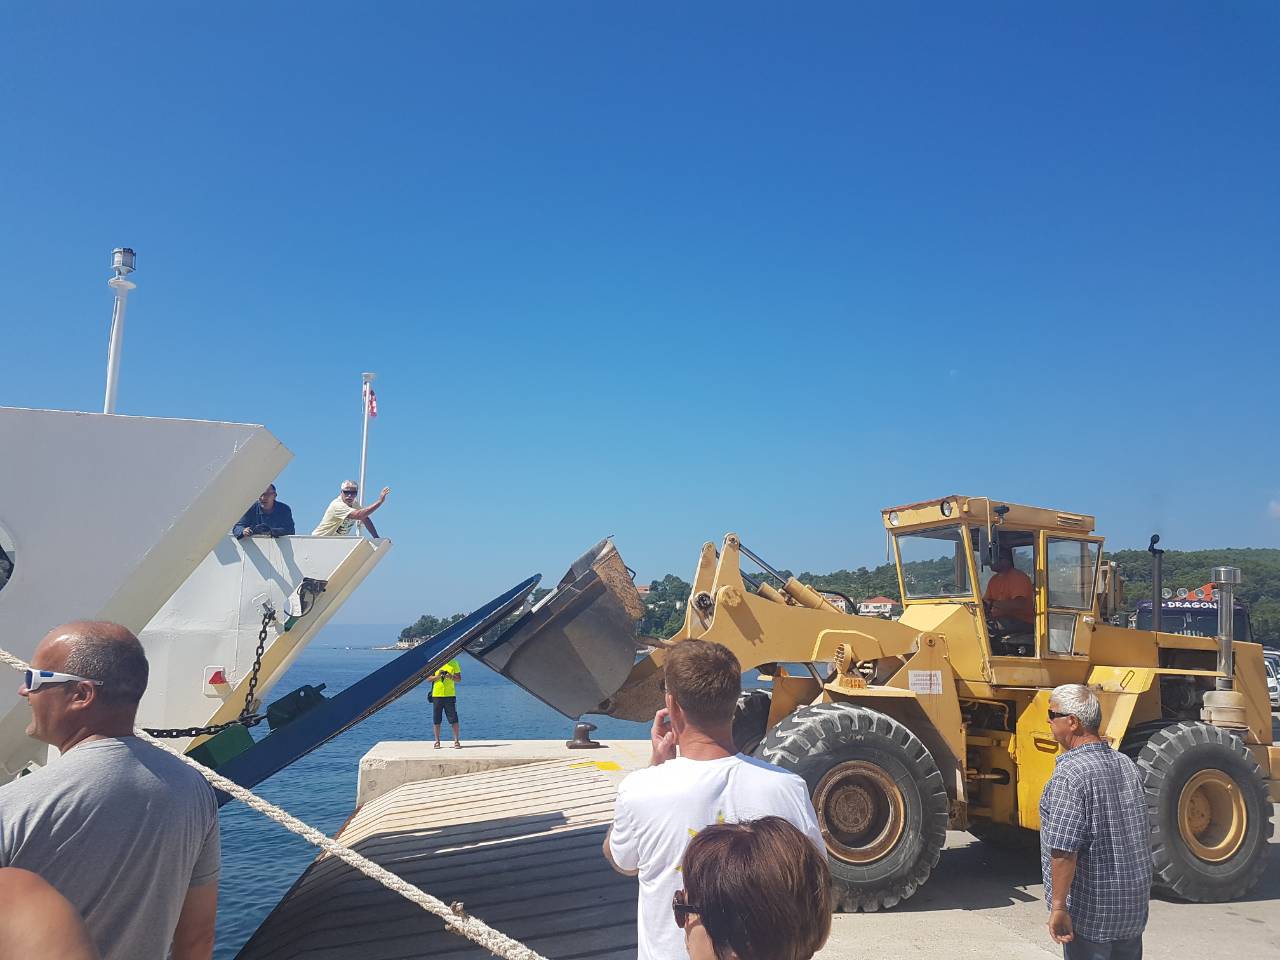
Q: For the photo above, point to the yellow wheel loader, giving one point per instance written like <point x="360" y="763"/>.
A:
<point x="939" y="720"/>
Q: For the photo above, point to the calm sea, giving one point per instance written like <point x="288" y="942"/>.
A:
<point x="261" y="860"/>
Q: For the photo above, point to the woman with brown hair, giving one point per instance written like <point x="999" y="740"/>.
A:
<point x="758" y="890"/>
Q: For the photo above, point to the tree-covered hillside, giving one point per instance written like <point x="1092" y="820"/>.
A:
<point x="428" y="626"/>
<point x="1259" y="567"/>
<point x="1182" y="568"/>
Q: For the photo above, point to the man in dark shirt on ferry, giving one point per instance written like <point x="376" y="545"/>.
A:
<point x="268" y="517"/>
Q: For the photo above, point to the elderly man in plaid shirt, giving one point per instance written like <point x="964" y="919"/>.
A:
<point x="1095" y="842"/>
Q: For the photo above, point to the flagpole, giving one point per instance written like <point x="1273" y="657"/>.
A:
<point x="364" y="440"/>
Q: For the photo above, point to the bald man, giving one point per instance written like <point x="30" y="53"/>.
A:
<point x="128" y="834"/>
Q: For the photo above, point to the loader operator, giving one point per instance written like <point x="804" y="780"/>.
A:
<point x="1008" y="597"/>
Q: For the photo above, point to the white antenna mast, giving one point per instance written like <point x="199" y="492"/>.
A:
<point x="122" y="260"/>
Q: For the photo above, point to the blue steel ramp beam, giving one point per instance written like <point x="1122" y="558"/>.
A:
<point x="367" y="696"/>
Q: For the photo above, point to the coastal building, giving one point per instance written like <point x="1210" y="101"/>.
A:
<point x="877" y="607"/>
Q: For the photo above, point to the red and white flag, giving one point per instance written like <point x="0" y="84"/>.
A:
<point x="373" y="402"/>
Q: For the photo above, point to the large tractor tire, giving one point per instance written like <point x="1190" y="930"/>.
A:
<point x="881" y="802"/>
<point x="1210" y="811"/>
<point x="751" y="719"/>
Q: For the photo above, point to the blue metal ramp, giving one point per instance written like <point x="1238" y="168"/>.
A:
<point x="366" y="697"/>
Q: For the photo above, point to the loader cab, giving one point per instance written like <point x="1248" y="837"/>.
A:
<point x="945" y="552"/>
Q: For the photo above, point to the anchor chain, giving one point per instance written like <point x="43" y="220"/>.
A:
<point x="247" y="717"/>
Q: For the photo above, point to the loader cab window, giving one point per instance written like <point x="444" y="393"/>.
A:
<point x="1071" y="569"/>
<point x="1023" y="546"/>
<point x="1010" y="621"/>
<point x="1073" y="572"/>
<point x="935" y="563"/>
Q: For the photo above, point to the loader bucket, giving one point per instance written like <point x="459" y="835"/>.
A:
<point x="575" y="648"/>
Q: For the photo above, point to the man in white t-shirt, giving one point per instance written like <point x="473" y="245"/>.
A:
<point x="695" y="778"/>
<point x="342" y="515"/>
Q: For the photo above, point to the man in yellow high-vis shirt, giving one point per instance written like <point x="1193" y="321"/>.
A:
<point x="444" y="699"/>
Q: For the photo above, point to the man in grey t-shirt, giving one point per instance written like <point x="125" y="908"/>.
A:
<point x="125" y="832"/>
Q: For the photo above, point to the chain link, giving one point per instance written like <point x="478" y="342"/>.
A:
<point x="247" y="717"/>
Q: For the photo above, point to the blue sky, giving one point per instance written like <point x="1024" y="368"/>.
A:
<point x="664" y="271"/>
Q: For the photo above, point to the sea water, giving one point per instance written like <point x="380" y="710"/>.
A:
<point x="261" y="860"/>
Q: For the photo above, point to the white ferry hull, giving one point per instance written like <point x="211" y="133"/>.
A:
<point x="105" y="517"/>
<point x="211" y="623"/>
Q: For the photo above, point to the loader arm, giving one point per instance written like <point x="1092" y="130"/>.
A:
<point x="576" y="650"/>
<point x="759" y="628"/>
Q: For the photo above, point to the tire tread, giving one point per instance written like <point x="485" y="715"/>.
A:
<point x="825" y="728"/>
<point x="1156" y="751"/>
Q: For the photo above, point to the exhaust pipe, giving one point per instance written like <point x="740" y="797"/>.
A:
<point x="1225" y="706"/>
<point x="1225" y="581"/>
<point x="1157" y="581"/>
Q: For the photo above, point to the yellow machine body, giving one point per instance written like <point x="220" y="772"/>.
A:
<point x="975" y="692"/>
<point x="935" y="665"/>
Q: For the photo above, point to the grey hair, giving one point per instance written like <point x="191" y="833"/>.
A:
<point x="1079" y="701"/>
<point x="110" y="653"/>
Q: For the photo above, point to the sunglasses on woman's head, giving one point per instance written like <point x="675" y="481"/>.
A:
<point x="680" y="909"/>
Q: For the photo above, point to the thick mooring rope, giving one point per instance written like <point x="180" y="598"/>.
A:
<point x="475" y="930"/>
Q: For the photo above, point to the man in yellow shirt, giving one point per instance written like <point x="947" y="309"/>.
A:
<point x="1008" y="597"/>
<point x="444" y="699"/>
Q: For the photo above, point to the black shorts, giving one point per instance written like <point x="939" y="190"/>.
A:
<point x="444" y="706"/>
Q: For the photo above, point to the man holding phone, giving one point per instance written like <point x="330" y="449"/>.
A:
<point x="444" y="699"/>
<point x="696" y="777"/>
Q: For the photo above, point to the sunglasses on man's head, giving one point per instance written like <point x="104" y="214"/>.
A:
<point x="35" y="679"/>
<point x="1055" y="715"/>
<point x="680" y="909"/>
<point x="352" y="492"/>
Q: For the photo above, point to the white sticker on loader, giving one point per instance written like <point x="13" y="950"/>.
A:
<point x="925" y="681"/>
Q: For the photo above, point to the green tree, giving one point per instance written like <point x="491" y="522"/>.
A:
<point x="664" y="607"/>
<point x="428" y="626"/>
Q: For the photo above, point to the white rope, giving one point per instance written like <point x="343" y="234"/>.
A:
<point x="494" y="941"/>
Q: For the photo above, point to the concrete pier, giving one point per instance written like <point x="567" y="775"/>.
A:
<point x="395" y="762"/>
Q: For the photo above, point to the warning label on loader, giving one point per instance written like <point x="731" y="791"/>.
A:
<point x="924" y="681"/>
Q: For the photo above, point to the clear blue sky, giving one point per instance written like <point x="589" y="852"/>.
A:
<point x="666" y="270"/>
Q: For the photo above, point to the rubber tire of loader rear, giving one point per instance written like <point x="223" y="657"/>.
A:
<point x="816" y="740"/>
<point x="751" y="719"/>
<point x="1168" y="759"/>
